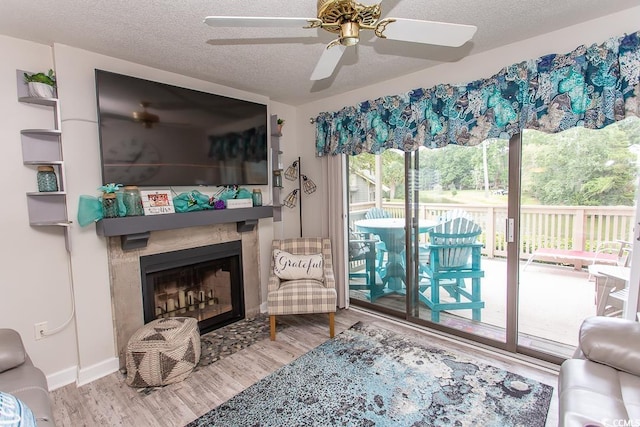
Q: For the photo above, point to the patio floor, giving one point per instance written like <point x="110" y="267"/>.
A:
<point x="553" y="302"/>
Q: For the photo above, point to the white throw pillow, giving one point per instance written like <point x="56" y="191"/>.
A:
<point x="293" y="267"/>
<point x="14" y="413"/>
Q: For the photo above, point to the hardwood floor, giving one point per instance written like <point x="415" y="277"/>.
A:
<point x="110" y="402"/>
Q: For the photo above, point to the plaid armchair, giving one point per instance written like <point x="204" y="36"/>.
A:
<point x="298" y="293"/>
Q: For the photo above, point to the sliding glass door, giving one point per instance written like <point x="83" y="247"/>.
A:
<point x="576" y="229"/>
<point x="398" y="202"/>
<point x="377" y="255"/>
<point x="458" y="210"/>
<point x="539" y="228"/>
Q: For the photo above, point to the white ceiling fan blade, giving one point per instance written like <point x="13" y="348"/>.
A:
<point x="258" y="21"/>
<point x="430" y="32"/>
<point x="328" y="61"/>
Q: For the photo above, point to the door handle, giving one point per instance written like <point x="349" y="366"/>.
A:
<point x="510" y="230"/>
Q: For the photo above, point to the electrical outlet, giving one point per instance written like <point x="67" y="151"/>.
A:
<point x="40" y="329"/>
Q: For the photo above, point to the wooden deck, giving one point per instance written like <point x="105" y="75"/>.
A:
<point x="553" y="302"/>
<point x="579" y="259"/>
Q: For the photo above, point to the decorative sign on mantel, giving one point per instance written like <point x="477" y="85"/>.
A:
<point x="156" y="202"/>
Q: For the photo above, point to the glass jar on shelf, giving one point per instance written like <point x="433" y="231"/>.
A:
<point x="277" y="178"/>
<point x="257" y="197"/>
<point x="109" y="205"/>
<point x="132" y="201"/>
<point x="47" y="180"/>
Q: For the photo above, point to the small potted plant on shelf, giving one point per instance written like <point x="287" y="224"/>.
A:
<point x="280" y="124"/>
<point x="41" y="85"/>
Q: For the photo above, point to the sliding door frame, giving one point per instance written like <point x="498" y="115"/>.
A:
<point x="513" y="243"/>
<point x="412" y="310"/>
<point x="411" y="314"/>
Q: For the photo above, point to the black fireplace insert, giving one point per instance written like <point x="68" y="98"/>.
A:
<point x="203" y="282"/>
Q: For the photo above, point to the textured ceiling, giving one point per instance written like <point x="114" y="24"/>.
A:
<point x="170" y="35"/>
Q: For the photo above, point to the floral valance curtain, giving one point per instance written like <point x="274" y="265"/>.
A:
<point x="591" y="87"/>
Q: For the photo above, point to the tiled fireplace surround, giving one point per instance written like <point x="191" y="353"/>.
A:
<point x="124" y="271"/>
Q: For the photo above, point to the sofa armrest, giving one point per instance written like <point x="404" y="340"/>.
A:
<point x="12" y="352"/>
<point x="612" y="341"/>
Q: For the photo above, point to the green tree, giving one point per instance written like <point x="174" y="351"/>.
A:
<point x="580" y="167"/>
<point x="393" y="172"/>
<point x="364" y="161"/>
<point x="498" y="162"/>
<point x="451" y="167"/>
<point x="575" y="167"/>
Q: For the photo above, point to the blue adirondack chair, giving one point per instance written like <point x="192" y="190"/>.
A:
<point x="362" y="249"/>
<point x="381" y="249"/>
<point x="377" y="213"/>
<point x="454" y="255"/>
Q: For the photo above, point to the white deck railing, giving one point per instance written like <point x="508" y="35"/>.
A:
<point x="558" y="227"/>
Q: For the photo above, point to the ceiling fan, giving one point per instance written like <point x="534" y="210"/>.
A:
<point x="346" y="18"/>
<point x="149" y="120"/>
<point x="146" y="118"/>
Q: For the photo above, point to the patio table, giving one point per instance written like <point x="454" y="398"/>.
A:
<point x="391" y="232"/>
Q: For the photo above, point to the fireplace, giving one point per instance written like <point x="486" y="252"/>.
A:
<point x="203" y="282"/>
<point x="125" y="271"/>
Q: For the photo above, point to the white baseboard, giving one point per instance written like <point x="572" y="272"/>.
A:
<point x="82" y="376"/>
<point x="99" y="370"/>
<point x="62" y="378"/>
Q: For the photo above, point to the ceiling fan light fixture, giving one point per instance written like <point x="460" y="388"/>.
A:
<point x="146" y="118"/>
<point x="349" y="34"/>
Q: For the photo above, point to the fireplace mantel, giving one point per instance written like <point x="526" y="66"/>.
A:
<point x="134" y="231"/>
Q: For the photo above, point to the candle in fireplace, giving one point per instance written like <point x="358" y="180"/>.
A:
<point x="190" y="300"/>
<point x="171" y="306"/>
<point x="201" y="299"/>
<point x="181" y="301"/>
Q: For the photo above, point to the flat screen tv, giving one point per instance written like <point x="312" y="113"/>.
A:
<point x="158" y="135"/>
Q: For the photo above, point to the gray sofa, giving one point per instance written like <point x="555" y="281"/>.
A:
<point x="21" y="379"/>
<point x="600" y="386"/>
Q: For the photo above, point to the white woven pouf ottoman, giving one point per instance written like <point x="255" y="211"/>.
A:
<point x="163" y="351"/>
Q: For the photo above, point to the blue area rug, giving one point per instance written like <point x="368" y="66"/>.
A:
<point x="367" y="376"/>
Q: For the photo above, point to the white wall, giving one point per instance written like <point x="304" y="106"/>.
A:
<point x="35" y="279"/>
<point x="468" y="69"/>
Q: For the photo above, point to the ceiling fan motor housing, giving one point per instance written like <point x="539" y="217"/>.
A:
<point x="335" y="13"/>
<point x="146" y="118"/>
